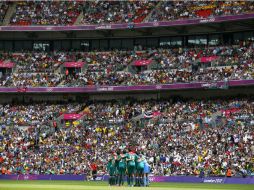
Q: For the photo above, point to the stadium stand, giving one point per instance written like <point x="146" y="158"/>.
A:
<point x="173" y="10"/>
<point x="116" y="11"/>
<point x="179" y="137"/>
<point x="166" y="66"/>
<point x="189" y="130"/>
<point x="45" y="13"/>
<point x="103" y="12"/>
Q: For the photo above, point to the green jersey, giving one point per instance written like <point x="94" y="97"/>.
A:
<point x="116" y="162"/>
<point x="140" y="162"/>
<point x="111" y="167"/>
<point x="122" y="161"/>
<point x="131" y="157"/>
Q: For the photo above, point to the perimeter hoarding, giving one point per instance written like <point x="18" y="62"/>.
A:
<point x="97" y="89"/>
<point x="185" y="22"/>
<point x="179" y="179"/>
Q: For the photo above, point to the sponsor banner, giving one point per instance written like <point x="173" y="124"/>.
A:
<point x="43" y="177"/>
<point x="179" y="179"/>
<point x="204" y="13"/>
<point x="93" y="89"/>
<point x="107" y="26"/>
<point x="194" y="179"/>
<point x="234" y="180"/>
<point x="228" y="112"/>
<point x="73" y="64"/>
<point x="7" y="65"/>
<point x="34" y="177"/>
<point x="101" y="178"/>
<point x="21" y="89"/>
<point x="127" y="25"/>
<point x="105" y="88"/>
<point x="151" y="114"/>
<point x="207" y="20"/>
<point x="208" y="59"/>
<point x="214" y="180"/>
<point x="215" y="85"/>
<point x="142" y="62"/>
<point x="9" y="177"/>
<point x="71" y="116"/>
<point x="68" y="177"/>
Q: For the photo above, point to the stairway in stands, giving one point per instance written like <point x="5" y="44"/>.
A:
<point x="11" y="10"/>
<point x="151" y="12"/>
<point x="79" y="19"/>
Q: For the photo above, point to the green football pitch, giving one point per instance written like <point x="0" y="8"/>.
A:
<point x="80" y="185"/>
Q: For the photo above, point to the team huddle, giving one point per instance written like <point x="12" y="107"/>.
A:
<point x="132" y="164"/>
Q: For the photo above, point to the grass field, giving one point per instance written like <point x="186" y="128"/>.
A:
<point x="84" y="185"/>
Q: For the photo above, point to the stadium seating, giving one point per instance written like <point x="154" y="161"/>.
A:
<point x="100" y="12"/>
<point x="178" y="137"/>
<point x="45" y="13"/>
<point x="103" y="12"/>
<point x="174" y="10"/>
<point x="162" y="66"/>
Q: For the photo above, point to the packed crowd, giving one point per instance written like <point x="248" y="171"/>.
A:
<point x="46" y="13"/>
<point x="117" y="68"/>
<point x="94" y="12"/>
<point x="100" y="12"/>
<point x="34" y="69"/>
<point x="174" y="10"/>
<point x="177" y="137"/>
<point x="27" y="115"/>
<point x="170" y="66"/>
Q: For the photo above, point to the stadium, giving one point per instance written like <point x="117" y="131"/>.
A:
<point x="101" y="95"/>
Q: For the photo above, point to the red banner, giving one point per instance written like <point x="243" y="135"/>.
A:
<point x="73" y="64"/>
<point x="71" y="116"/>
<point x="152" y="114"/>
<point x="21" y="89"/>
<point x="142" y="62"/>
<point x="204" y="13"/>
<point x="228" y="112"/>
<point x="6" y="64"/>
<point x="208" y="59"/>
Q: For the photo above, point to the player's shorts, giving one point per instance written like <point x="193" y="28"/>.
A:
<point x="112" y="172"/>
<point x="121" y="169"/>
<point x="117" y="171"/>
<point x="140" y="170"/>
<point x="131" y="169"/>
<point x="147" y="169"/>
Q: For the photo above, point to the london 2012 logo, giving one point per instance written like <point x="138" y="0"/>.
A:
<point x="151" y="178"/>
<point x="218" y="180"/>
<point x="156" y="24"/>
<point x="50" y="89"/>
<point x="207" y="20"/>
<point x="26" y="177"/>
<point x="158" y="87"/>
